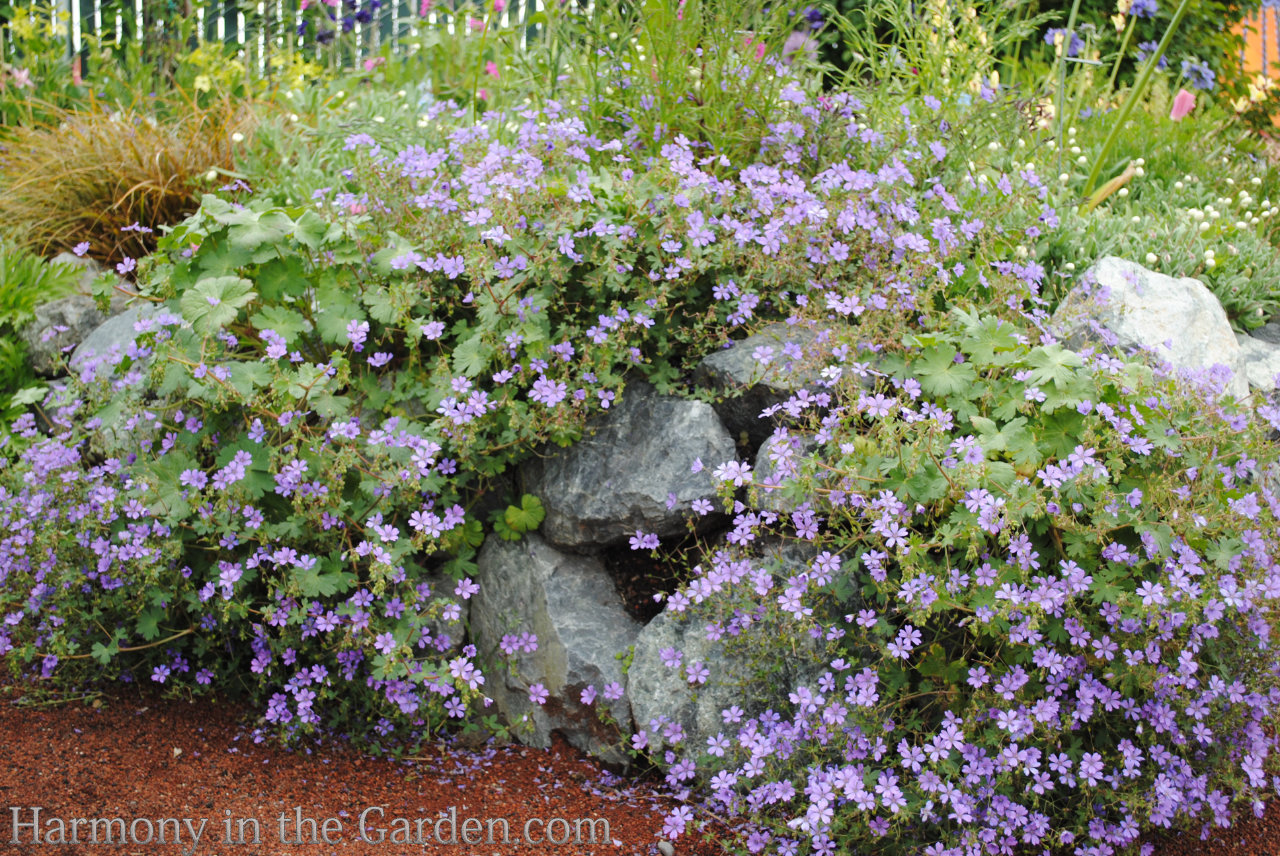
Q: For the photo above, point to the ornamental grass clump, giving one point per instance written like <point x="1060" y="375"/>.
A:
<point x="88" y="173"/>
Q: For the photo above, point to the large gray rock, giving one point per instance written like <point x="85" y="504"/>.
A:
<point x="754" y="672"/>
<point x="779" y="459"/>
<point x="1177" y="320"/>
<point x="1261" y="361"/>
<point x="620" y="477"/>
<point x="110" y="341"/>
<point x="746" y="386"/>
<point x="571" y="604"/>
<point x="59" y="326"/>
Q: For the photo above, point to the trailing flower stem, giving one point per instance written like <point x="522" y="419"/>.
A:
<point x="155" y="644"/>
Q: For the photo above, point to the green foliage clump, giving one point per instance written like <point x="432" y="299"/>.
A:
<point x="26" y="281"/>
<point x="1041" y="579"/>
<point x="1196" y="199"/>
<point x="325" y="404"/>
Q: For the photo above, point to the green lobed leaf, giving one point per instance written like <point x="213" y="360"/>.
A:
<point x="215" y="302"/>
<point x="940" y="374"/>
<point x="527" y="516"/>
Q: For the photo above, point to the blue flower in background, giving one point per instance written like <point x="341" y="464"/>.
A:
<point x="812" y="16"/>
<point x="1144" y="8"/>
<point x="1077" y="43"/>
<point x="1146" y="49"/>
<point x="1200" y="75"/>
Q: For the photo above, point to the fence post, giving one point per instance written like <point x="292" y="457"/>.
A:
<point x="61" y="7"/>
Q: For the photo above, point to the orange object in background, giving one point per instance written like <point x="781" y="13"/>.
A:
<point x="1260" y="58"/>
<point x="1262" y="42"/>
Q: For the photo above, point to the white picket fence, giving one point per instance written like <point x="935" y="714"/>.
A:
<point x="263" y="27"/>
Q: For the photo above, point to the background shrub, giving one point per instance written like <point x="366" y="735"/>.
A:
<point x="1206" y="36"/>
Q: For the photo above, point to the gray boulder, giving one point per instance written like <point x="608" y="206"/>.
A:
<point x="745" y="386"/>
<point x="620" y="477"/>
<point x="755" y="671"/>
<point x="1261" y="361"/>
<point x="571" y="604"/>
<point x="109" y="342"/>
<point x="1177" y="320"/>
<point x="59" y="326"/>
<point x="779" y="459"/>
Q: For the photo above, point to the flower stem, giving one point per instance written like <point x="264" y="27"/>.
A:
<point x="1062" y="52"/>
<point x="1139" y="88"/>
<point x="155" y="644"/>
<point x="1124" y="44"/>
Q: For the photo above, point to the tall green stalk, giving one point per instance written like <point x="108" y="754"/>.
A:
<point x="1124" y="45"/>
<point x="1062" y="75"/>
<point x="1135" y="95"/>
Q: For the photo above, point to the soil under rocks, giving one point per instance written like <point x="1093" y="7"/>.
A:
<point x="639" y="576"/>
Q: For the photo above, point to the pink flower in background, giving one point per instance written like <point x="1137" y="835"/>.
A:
<point x="22" y="78"/>
<point x="373" y="62"/>
<point x="498" y="6"/>
<point x="749" y="44"/>
<point x="1183" y="103"/>
<point x="76" y="77"/>
<point x="491" y="68"/>
<point x="424" y="7"/>
<point x="476" y="24"/>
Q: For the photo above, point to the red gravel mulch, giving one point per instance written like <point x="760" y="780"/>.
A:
<point x="139" y="757"/>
